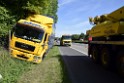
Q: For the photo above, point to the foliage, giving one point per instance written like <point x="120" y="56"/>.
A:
<point x="86" y="37"/>
<point x="78" y="36"/>
<point x="82" y="35"/>
<point x="23" y="8"/>
<point x="6" y="21"/>
<point x="75" y="36"/>
<point x="12" y="11"/>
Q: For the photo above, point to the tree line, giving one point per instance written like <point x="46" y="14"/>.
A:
<point x="76" y="37"/>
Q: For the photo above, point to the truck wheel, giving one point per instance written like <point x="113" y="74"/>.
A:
<point x="95" y="54"/>
<point x="105" y="57"/>
<point x="120" y="63"/>
<point x="44" y="55"/>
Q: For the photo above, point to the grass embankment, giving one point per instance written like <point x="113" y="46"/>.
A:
<point x="51" y="70"/>
<point x="11" y="68"/>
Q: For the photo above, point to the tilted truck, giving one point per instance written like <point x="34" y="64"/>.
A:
<point x="106" y="40"/>
<point x="30" y="37"/>
<point x="66" y="40"/>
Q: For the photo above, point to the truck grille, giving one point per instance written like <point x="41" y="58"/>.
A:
<point x="67" y="41"/>
<point x="22" y="56"/>
<point x="24" y="46"/>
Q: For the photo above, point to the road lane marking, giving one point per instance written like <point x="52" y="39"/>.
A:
<point x="79" y="51"/>
<point x="80" y="45"/>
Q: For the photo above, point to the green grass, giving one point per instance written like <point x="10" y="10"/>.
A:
<point x="50" y="70"/>
<point x="11" y="68"/>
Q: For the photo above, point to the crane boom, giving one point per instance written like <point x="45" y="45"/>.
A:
<point x="117" y="15"/>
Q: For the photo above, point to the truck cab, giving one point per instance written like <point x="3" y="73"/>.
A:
<point x="29" y="38"/>
<point x="66" y="40"/>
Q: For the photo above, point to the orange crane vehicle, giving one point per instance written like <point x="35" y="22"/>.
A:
<point x="106" y="40"/>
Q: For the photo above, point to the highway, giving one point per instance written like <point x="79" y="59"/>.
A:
<point x="81" y="69"/>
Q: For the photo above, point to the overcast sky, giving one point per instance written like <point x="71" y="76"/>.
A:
<point x="73" y="15"/>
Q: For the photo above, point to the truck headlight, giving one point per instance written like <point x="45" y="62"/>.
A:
<point x="36" y="57"/>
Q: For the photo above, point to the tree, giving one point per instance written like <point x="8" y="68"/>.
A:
<point x="13" y="10"/>
<point x="82" y="35"/>
<point x="75" y="36"/>
<point x="23" y="8"/>
<point x="6" y="21"/>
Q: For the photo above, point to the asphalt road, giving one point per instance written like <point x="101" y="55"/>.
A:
<point x="81" y="69"/>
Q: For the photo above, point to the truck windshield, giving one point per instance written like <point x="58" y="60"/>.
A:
<point x="66" y="37"/>
<point x="28" y="33"/>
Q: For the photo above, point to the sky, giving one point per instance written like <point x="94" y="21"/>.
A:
<point x="73" y="15"/>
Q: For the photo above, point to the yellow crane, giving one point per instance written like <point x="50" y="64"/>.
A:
<point x="106" y="44"/>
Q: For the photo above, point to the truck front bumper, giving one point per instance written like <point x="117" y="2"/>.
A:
<point x="25" y="56"/>
<point x="64" y="43"/>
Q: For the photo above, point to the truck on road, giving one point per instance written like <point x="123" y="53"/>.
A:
<point x="30" y="37"/>
<point x="66" y="40"/>
<point x="106" y="40"/>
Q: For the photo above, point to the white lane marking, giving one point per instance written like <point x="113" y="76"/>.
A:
<point x="79" y="51"/>
<point x="80" y="45"/>
<point x="60" y="52"/>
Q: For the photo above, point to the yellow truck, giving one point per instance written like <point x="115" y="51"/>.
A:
<point x="66" y="40"/>
<point x="106" y="40"/>
<point x="30" y="37"/>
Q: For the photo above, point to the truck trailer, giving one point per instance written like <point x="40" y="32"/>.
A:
<point x="30" y="37"/>
<point x="106" y="40"/>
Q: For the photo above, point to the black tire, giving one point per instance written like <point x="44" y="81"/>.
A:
<point x="44" y="55"/>
<point x="120" y="63"/>
<point x="61" y="44"/>
<point x="105" y="58"/>
<point x="95" y="54"/>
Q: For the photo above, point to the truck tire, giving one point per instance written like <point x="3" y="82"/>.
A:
<point x="43" y="57"/>
<point x="95" y="54"/>
<point x="105" y="57"/>
<point x="120" y="63"/>
<point x="61" y="44"/>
